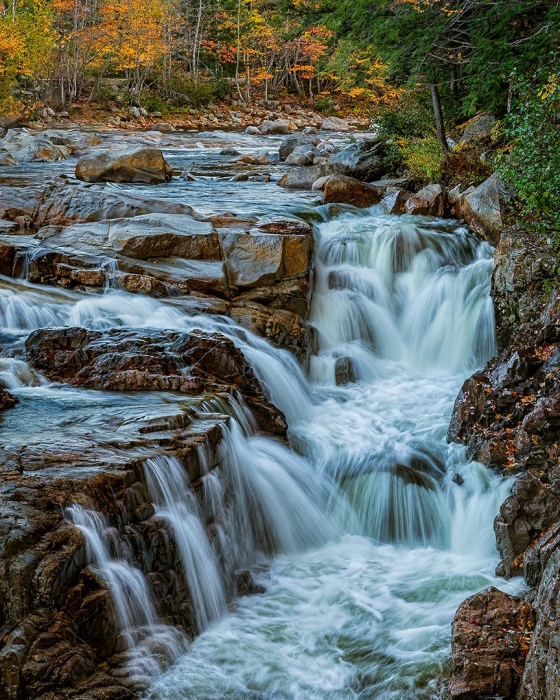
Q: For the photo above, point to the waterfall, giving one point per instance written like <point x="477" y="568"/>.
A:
<point x="366" y="529"/>
<point x="170" y="491"/>
<point x="149" y="644"/>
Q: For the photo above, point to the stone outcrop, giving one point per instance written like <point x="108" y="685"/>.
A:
<point x="125" y="360"/>
<point x="508" y="415"/>
<point x="59" y="637"/>
<point x="490" y="640"/>
<point x="302" y="178"/>
<point x="130" y="165"/>
<point x="347" y="190"/>
<point x="7" y="400"/>
<point x="362" y="160"/>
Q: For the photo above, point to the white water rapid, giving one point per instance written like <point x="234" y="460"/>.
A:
<point x="366" y="532"/>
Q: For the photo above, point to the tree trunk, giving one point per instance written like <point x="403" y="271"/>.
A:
<point x="438" y="114"/>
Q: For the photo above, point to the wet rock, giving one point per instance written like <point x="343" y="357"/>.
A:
<point x="257" y="257"/>
<point x="73" y="138"/>
<point x="344" y="371"/>
<point x="163" y="127"/>
<point x="279" y="126"/>
<point x="429" y="201"/>
<point x="132" y="165"/>
<point x="485" y="208"/>
<point x="491" y="634"/>
<point x="347" y="190"/>
<point x="395" y="201"/>
<point x="282" y="328"/>
<point x="229" y="152"/>
<point x="6" y="158"/>
<point x="245" y="584"/>
<point x="362" y="160"/>
<point x="304" y="154"/>
<point x="290" y="143"/>
<point x="63" y="202"/>
<point x="26" y="147"/>
<point x="7" y="400"/>
<point x="125" y="360"/>
<point x="304" y="177"/>
<point x="144" y="237"/>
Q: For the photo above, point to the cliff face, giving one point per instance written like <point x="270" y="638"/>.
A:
<point x="508" y="415"/>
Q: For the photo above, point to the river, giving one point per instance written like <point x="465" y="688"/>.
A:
<point x="368" y="531"/>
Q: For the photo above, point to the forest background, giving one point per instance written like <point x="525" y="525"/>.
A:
<point x="416" y="68"/>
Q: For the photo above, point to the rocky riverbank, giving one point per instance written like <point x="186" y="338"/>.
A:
<point x="508" y="416"/>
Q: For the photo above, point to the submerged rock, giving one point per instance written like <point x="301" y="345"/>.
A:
<point x="132" y="165"/>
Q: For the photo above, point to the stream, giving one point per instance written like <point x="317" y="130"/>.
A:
<point x="369" y="530"/>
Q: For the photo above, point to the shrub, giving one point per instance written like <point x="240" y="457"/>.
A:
<point x="407" y="118"/>
<point x="531" y="163"/>
<point x="424" y="158"/>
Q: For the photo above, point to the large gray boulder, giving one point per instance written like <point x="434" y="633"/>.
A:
<point x="26" y="147"/>
<point x="290" y="143"/>
<point x="484" y="209"/>
<point x="362" y="160"/>
<point x="131" y="165"/>
<point x="303" y="178"/>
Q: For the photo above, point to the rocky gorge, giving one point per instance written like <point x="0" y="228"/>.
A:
<point x="195" y="329"/>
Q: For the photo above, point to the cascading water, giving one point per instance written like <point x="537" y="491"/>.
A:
<point x="142" y="635"/>
<point x="364" y="612"/>
<point x="370" y="540"/>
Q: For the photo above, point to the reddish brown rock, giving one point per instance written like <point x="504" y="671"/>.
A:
<point x="491" y="635"/>
<point x="347" y="190"/>
<point x="429" y="201"/>
<point x="125" y="360"/>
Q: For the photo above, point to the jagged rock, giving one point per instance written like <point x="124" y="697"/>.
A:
<point x="362" y="160"/>
<point x="74" y="139"/>
<point x="26" y="147"/>
<point x="395" y="201"/>
<point x="282" y="328"/>
<point x="490" y="638"/>
<point x="126" y="360"/>
<point x="484" y="208"/>
<point x="541" y="677"/>
<point x="347" y="190"/>
<point x="7" y="400"/>
<point x="524" y="263"/>
<point x="429" y="201"/>
<point x="6" y="158"/>
<point x="131" y="165"/>
<point x="304" y="154"/>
